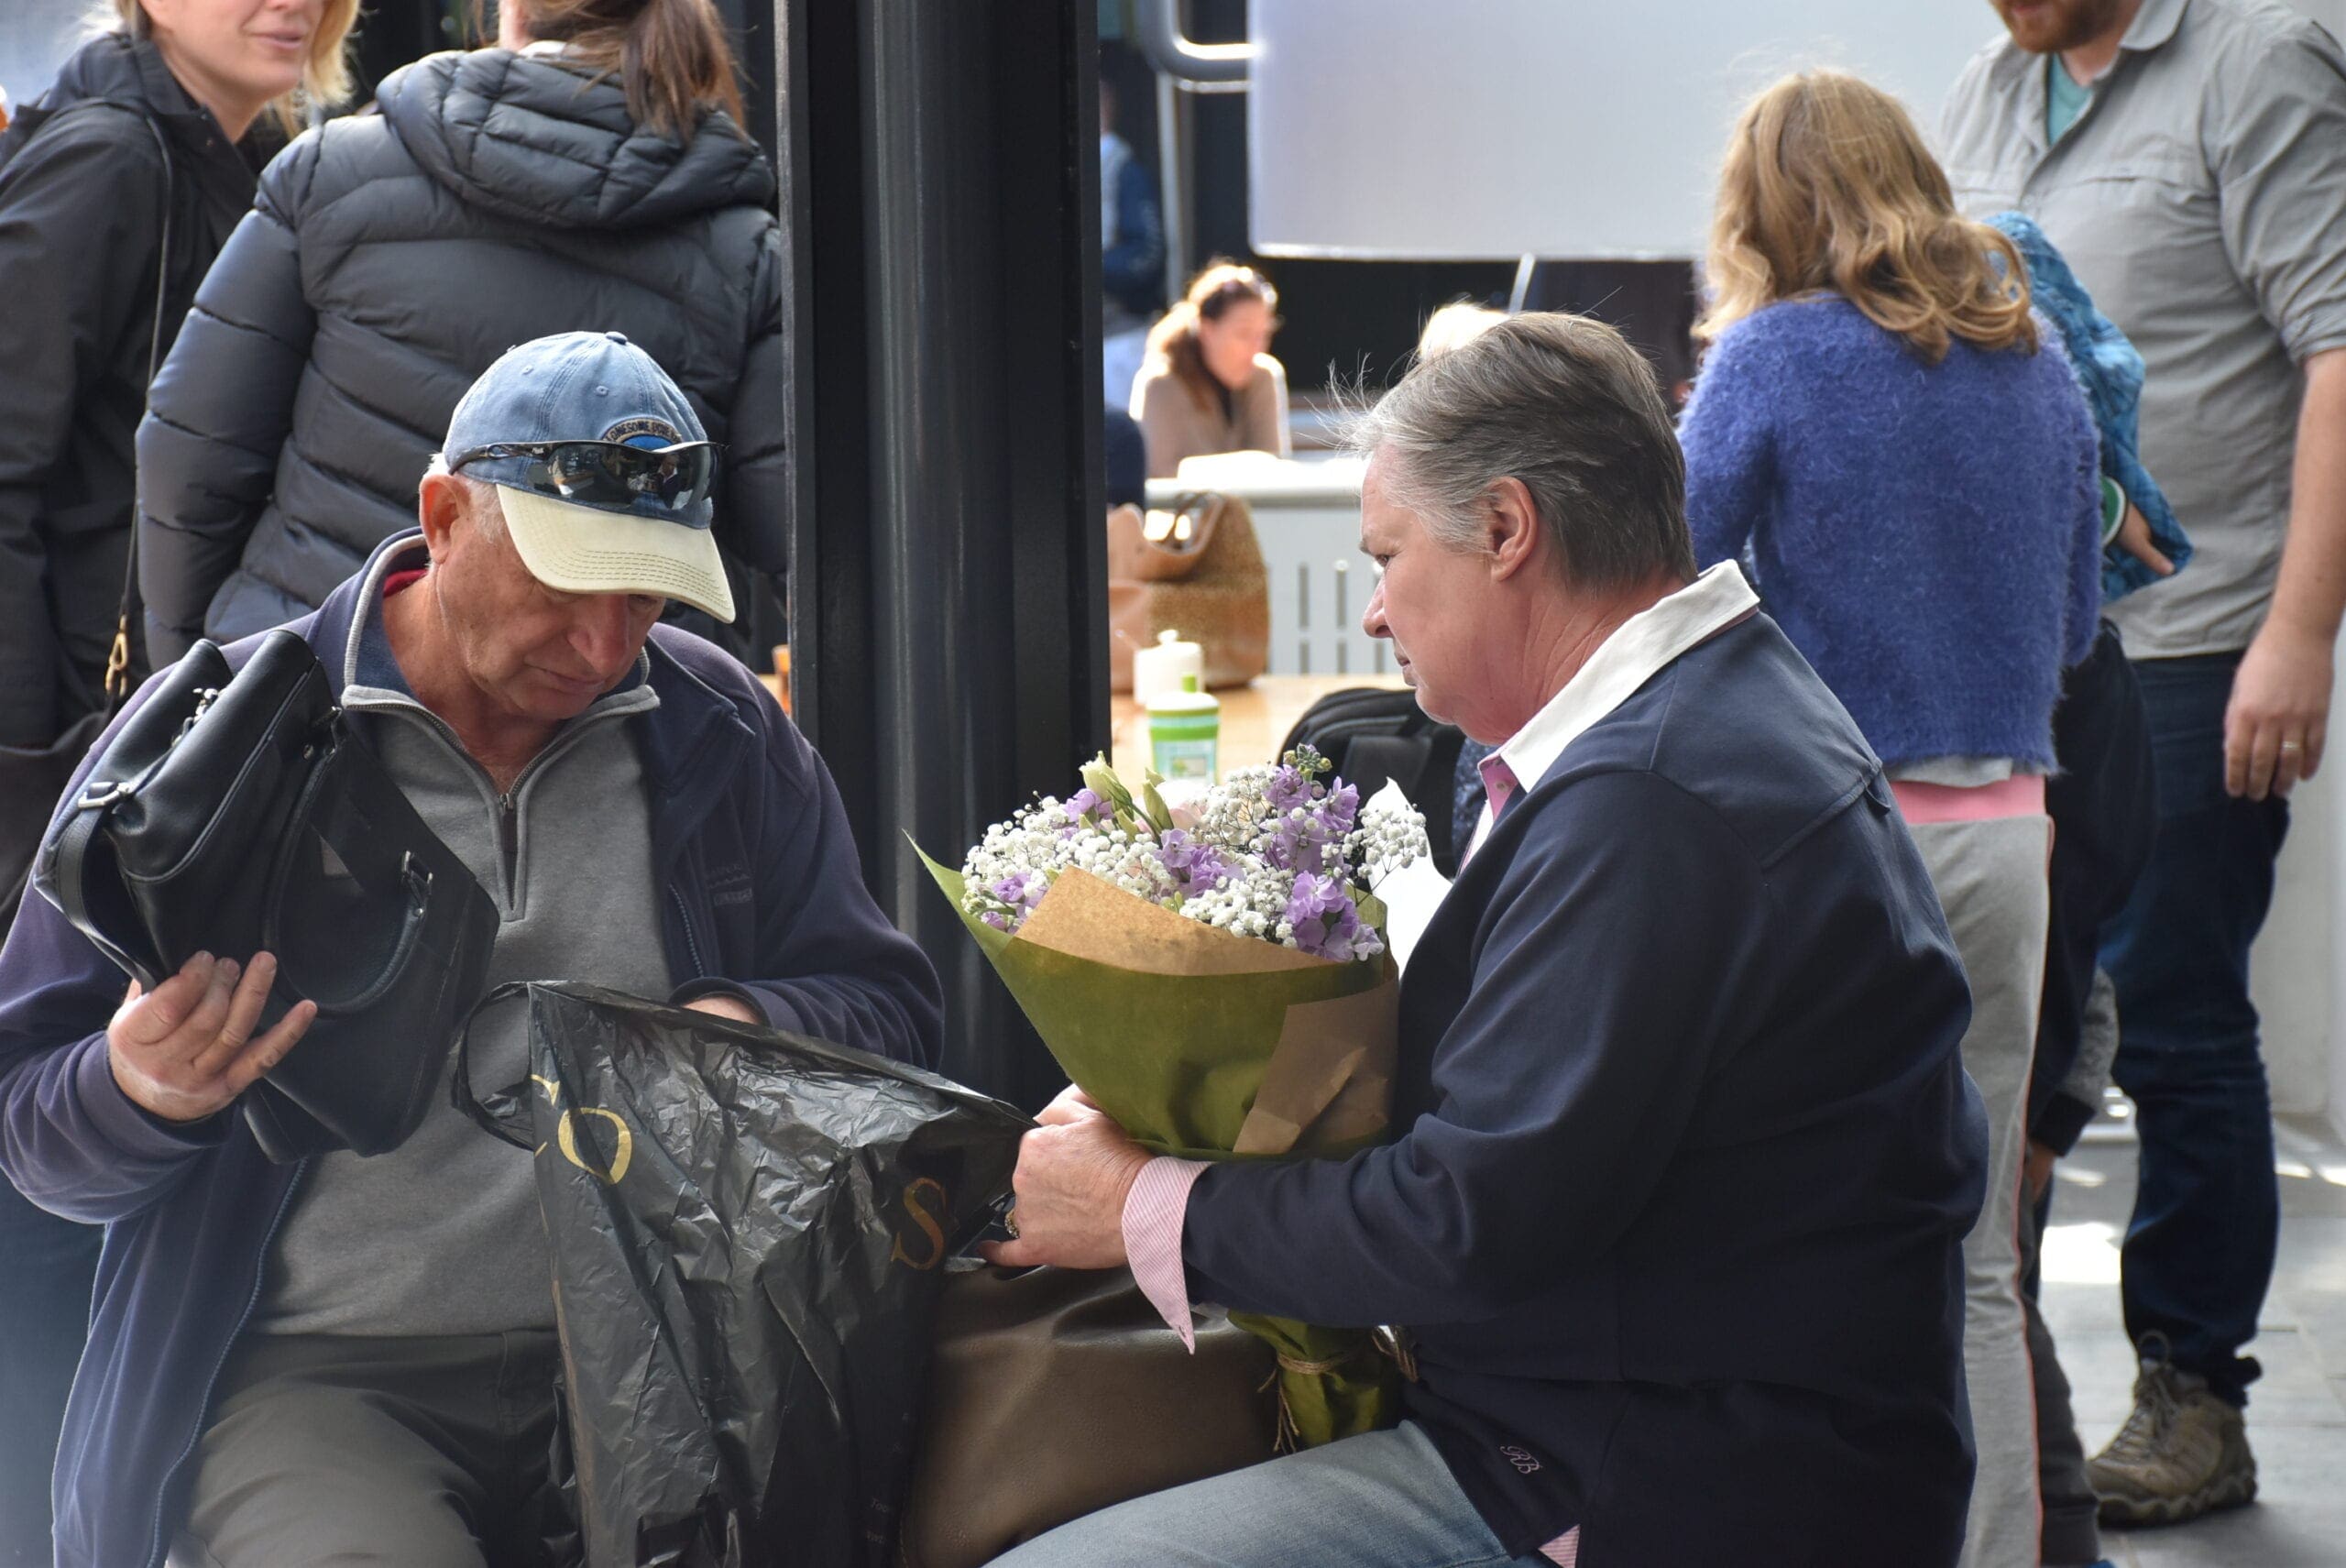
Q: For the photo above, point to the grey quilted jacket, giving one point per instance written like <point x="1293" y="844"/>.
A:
<point x="494" y="198"/>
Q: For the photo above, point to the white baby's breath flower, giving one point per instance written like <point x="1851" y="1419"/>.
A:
<point x="1250" y="848"/>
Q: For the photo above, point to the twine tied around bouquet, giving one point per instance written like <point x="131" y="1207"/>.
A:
<point x="1286" y="1436"/>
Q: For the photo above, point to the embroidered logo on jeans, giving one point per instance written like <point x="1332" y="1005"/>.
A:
<point x="1521" y="1458"/>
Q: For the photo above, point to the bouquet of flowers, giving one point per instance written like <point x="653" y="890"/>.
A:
<point x="1214" y="975"/>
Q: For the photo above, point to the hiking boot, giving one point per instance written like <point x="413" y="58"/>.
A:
<point x="2182" y="1454"/>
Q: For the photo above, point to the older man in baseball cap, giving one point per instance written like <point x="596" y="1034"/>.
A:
<point x="355" y="1358"/>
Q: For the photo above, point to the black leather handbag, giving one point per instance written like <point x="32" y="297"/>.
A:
<point x="239" y="814"/>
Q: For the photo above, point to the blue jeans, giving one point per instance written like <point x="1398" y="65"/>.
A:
<point x="1381" y="1501"/>
<point x="47" y="1265"/>
<point x="2198" y="1254"/>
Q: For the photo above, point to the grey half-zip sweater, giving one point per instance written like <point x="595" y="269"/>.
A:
<point x="442" y="1236"/>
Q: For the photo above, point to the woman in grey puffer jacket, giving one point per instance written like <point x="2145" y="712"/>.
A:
<point x="590" y="174"/>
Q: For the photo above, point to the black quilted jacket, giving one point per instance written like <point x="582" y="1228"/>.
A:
<point x="494" y="198"/>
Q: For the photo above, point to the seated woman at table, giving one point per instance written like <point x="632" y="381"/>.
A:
<point x="1209" y="383"/>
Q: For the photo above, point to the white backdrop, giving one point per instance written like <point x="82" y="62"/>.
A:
<point x="1496" y="128"/>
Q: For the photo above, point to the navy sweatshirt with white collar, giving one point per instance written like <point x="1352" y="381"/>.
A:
<point x="1686" y="1151"/>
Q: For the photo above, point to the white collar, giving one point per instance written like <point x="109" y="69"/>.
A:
<point x="1640" y="647"/>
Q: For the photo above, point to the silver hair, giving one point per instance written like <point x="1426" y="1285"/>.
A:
<point x="1560" y="403"/>
<point x="480" y="495"/>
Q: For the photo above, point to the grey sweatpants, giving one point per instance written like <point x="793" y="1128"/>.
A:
<point x="399" y="1453"/>
<point x="1990" y="878"/>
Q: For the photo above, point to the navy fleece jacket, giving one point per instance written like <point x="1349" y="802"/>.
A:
<point x="1686" y="1151"/>
<point x="762" y="897"/>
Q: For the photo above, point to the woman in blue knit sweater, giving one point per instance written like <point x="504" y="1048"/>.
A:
<point x="1909" y="472"/>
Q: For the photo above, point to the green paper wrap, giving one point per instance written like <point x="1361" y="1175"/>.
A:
<point x="1215" y="1047"/>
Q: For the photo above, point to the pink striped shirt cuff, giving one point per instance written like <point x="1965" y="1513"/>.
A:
<point x="1154" y="1212"/>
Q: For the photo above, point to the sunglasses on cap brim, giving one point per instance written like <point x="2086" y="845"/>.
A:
<point x="601" y="472"/>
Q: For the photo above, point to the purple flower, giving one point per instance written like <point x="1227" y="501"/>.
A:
<point x="1327" y="923"/>
<point x="1342" y="810"/>
<point x="1022" y="891"/>
<point x="1300" y="843"/>
<point x="1197" y="867"/>
<point x="997" y="919"/>
<point x="1085" y="806"/>
<point x="1290" y="787"/>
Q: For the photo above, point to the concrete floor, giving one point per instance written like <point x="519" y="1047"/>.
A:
<point x="2297" y="1418"/>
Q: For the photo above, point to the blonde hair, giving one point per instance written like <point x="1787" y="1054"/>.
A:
<point x="1459" y="322"/>
<point x="325" y="75"/>
<point x="1212" y="292"/>
<point x="1829" y="186"/>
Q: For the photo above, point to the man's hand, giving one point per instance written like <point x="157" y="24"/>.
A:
<point x="724" y="1006"/>
<point x="1074" y="1172"/>
<point x="2279" y="716"/>
<point x="2134" y="538"/>
<point x="186" y="1051"/>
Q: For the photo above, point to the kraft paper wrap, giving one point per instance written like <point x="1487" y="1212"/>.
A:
<point x="1212" y="1046"/>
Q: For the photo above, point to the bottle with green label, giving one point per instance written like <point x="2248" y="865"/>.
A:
<point x="1185" y="735"/>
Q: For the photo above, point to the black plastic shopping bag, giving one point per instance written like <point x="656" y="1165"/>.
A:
<point x="747" y="1228"/>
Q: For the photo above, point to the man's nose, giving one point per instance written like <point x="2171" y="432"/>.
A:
<point x="603" y="633"/>
<point x="1372" y="615"/>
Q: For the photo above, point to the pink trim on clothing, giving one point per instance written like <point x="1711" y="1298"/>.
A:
<point x="1155" y="1211"/>
<point x="2023" y="795"/>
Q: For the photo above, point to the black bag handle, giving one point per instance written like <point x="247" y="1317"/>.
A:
<point x="460" y="1087"/>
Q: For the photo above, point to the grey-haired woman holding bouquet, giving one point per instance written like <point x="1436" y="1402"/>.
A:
<point x="1686" y="1154"/>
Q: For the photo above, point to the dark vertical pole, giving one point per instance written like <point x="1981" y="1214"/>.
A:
<point x="750" y="25"/>
<point x="948" y="639"/>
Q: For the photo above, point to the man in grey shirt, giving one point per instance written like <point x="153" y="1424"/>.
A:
<point x="2188" y="157"/>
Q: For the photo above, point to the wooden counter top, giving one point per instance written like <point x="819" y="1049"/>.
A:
<point x="1255" y="718"/>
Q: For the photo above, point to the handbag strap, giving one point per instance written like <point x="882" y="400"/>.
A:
<point x="460" y="1086"/>
<point x="117" y="676"/>
<point x="74" y="840"/>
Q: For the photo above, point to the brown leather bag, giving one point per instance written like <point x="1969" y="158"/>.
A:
<point x="1053" y="1393"/>
<point x="1196" y="570"/>
<point x="1161" y="546"/>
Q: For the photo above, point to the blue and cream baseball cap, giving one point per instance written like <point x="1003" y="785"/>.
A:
<point x="602" y="469"/>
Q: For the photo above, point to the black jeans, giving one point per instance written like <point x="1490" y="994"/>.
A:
<point x="47" y="1265"/>
<point x="2198" y="1254"/>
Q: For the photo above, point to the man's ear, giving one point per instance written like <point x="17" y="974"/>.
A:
<point x="440" y="503"/>
<point x="1511" y="528"/>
